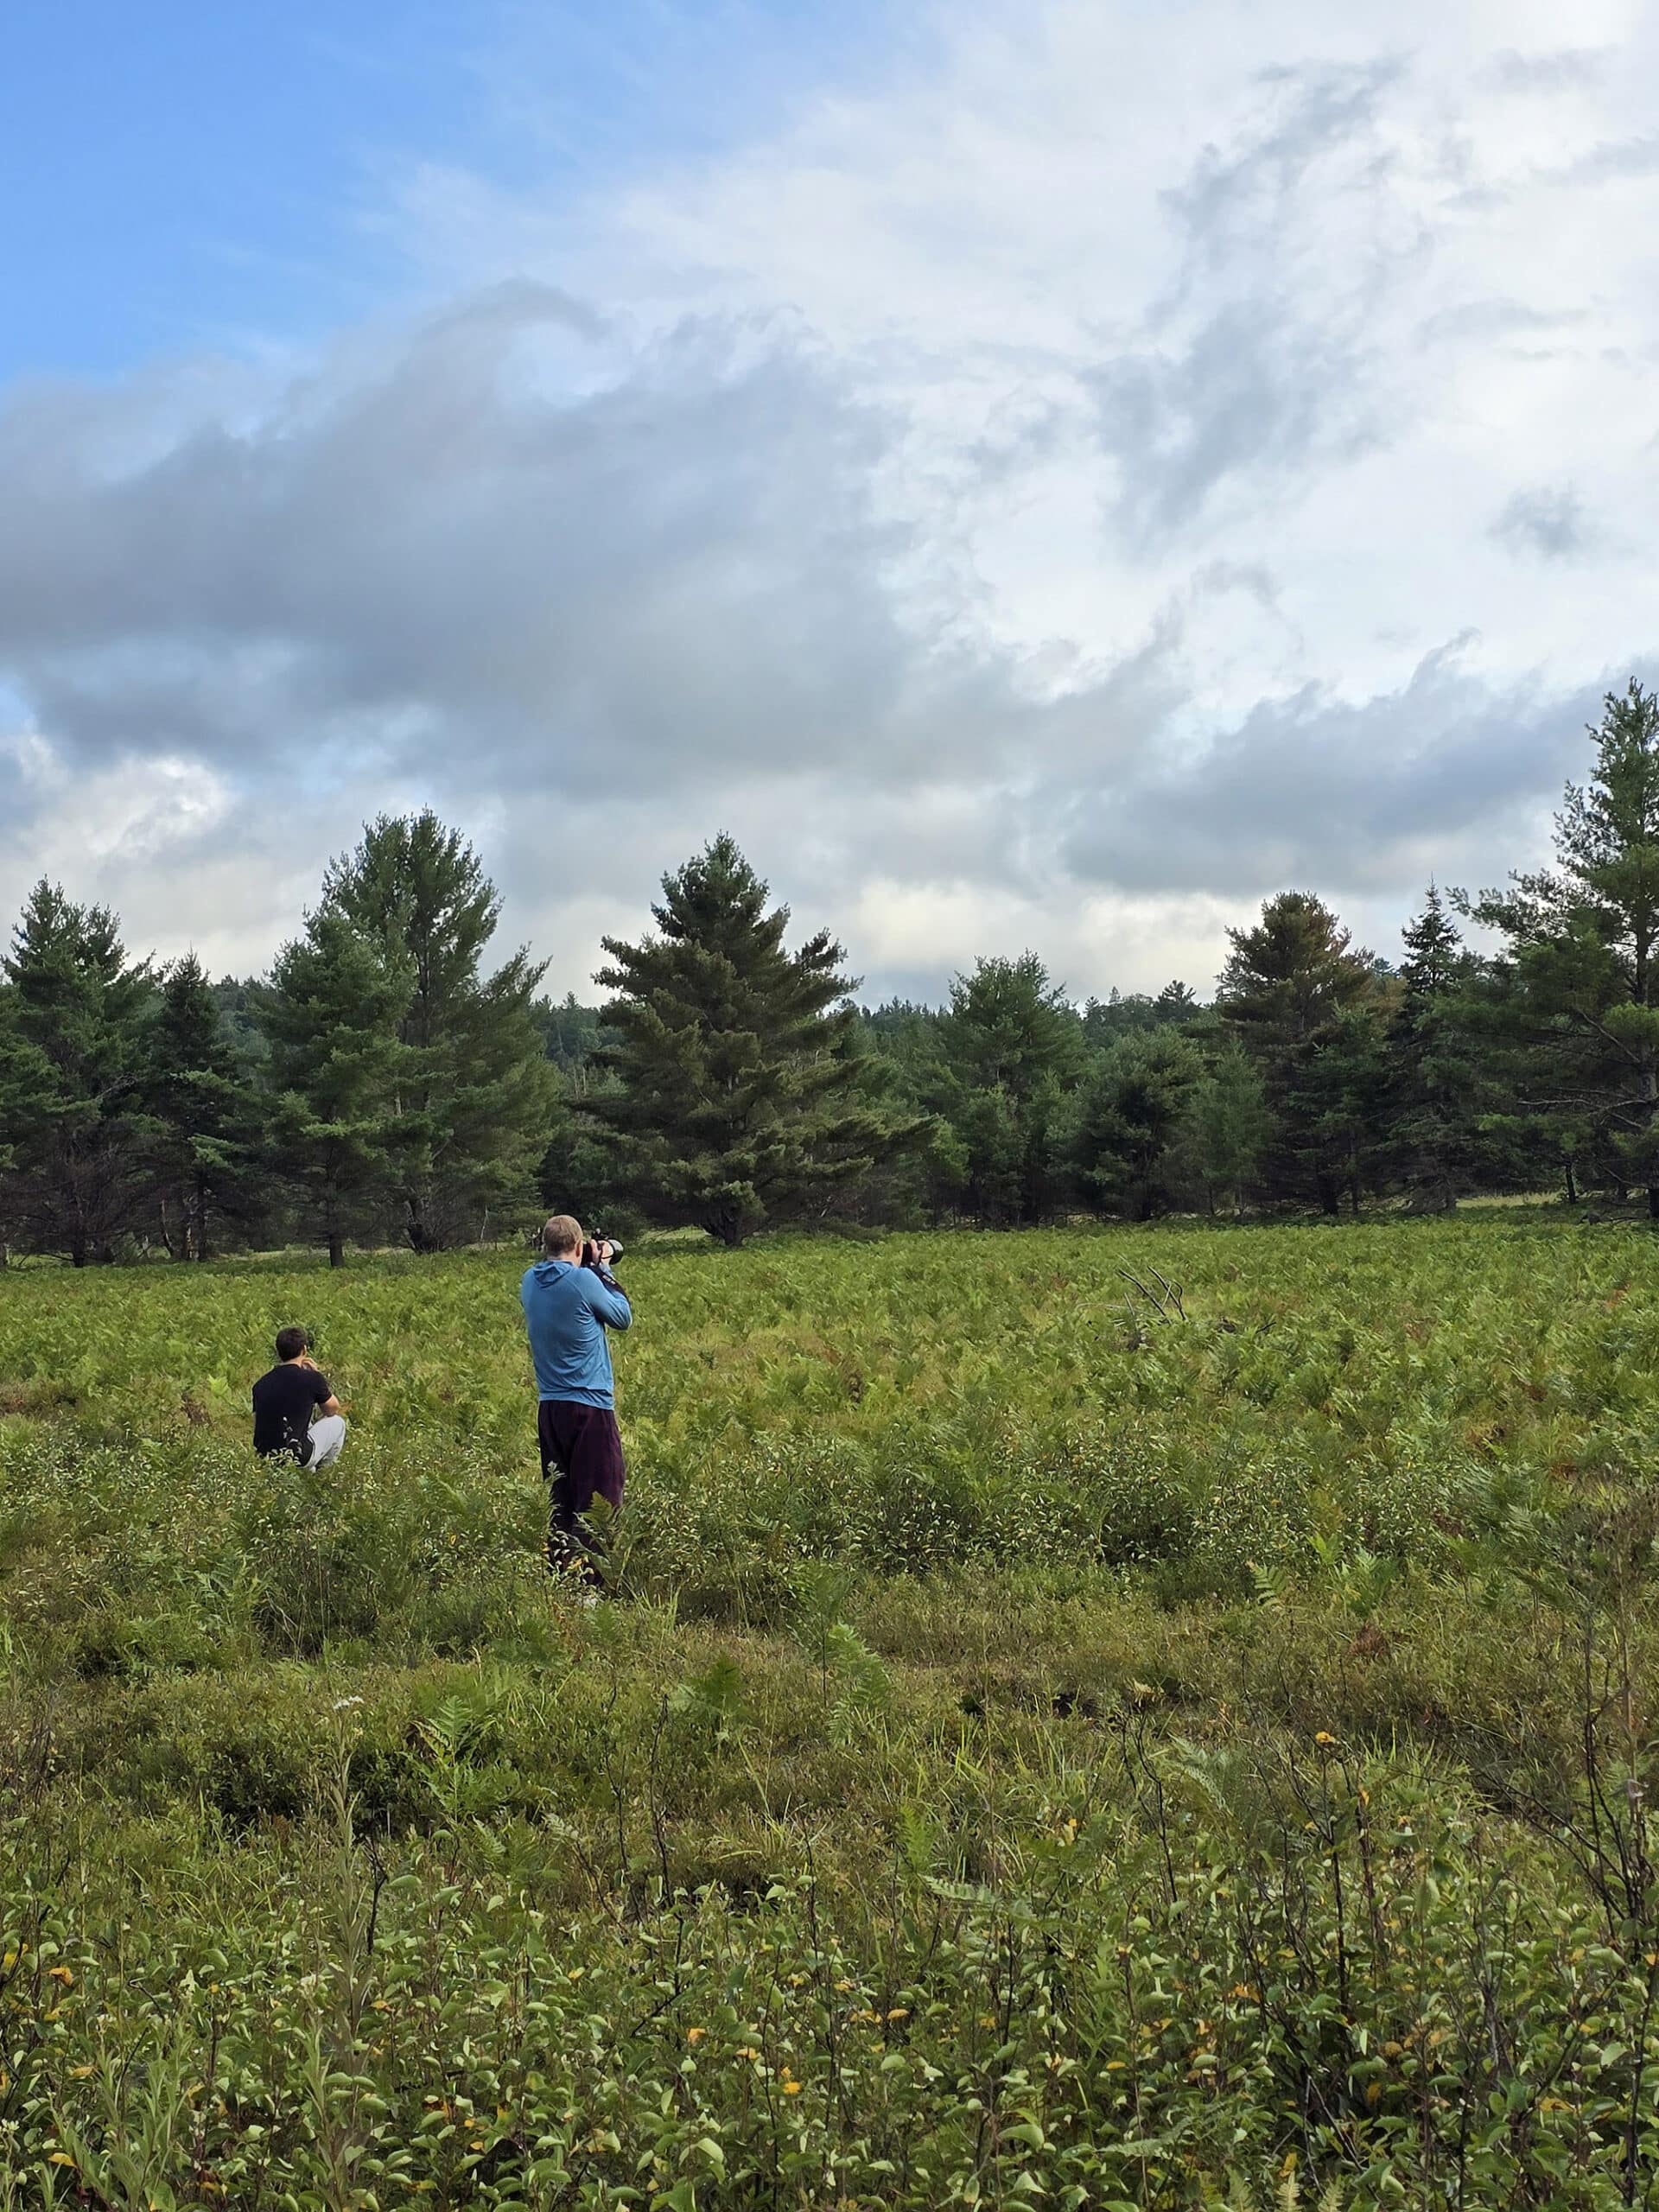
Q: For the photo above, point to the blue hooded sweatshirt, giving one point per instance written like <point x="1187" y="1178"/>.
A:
<point x="568" y="1309"/>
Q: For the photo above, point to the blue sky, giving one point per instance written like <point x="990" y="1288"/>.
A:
<point x="184" y="176"/>
<point x="205" y="176"/>
<point x="1041" y="473"/>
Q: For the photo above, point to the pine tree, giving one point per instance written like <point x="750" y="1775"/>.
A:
<point x="1581" y="969"/>
<point x="1176" y="1003"/>
<point x="473" y="1085"/>
<point x="1011" y="1046"/>
<point x="1132" y="1115"/>
<point x="1434" y="1086"/>
<point x="28" y="1088"/>
<point x="739" y="1101"/>
<point x="70" y="1066"/>
<point x="571" y="1033"/>
<point x="1288" y="987"/>
<point x="1225" y="1131"/>
<point x="203" y="1112"/>
<point x="332" y="1015"/>
<point x="1337" y="1100"/>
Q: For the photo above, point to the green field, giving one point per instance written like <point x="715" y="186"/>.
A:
<point x="1043" y="1750"/>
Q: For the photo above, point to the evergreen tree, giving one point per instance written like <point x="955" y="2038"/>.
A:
<point x="334" y="1016"/>
<point x="1132" y="1115"/>
<point x="1106" y="1020"/>
<point x="1582" y="959"/>
<point x="926" y="1178"/>
<point x="27" y="1090"/>
<point x="1176" y="1003"/>
<point x="1225" y="1131"/>
<point x="70" y="1064"/>
<point x="571" y="1033"/>
<point x="1118" y="1015"/>
<point x="1434" y="1085"/>
<point x="740" y="1100"/>
<point x="1339" y="1099"/>
<point x="908" y="1036"/>
<point x="1283" y="995"/>
<point x="473" y="1088"/>
<point x="1011" y="1046"/>
<point x="238" y="1000"/>
<point x="201" y="1112"/>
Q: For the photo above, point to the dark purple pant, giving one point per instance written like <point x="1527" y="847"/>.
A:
<point x="582" y="1457"/>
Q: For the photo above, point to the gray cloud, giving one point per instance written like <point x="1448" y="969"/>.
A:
<point x="1257" y="393"/>
<point x="1350" y="797"/>
<point x="1613" y="160"/>
<point x="1263" y="383"/>
<point x="1490" y="321"/>
<point x="677" y="574"/>
<point x="1568" y="68"/>
<point x="1548" y="520"/>
<point x="1233" y="197"/>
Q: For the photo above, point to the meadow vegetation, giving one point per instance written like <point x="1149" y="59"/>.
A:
<point x="1089" y="1718"/>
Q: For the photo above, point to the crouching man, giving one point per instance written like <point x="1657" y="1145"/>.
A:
<point x="570" y="1299"/>
<point x="284" y="1401"/>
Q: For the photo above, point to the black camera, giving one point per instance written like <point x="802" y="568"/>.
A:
<point x="590" y="1251"/>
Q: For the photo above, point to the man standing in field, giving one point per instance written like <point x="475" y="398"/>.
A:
<point x="570" y="1299"/>
<point x="284" y="1401"/>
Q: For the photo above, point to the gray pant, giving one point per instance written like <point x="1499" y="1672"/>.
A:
<point x="327" y="1437"/>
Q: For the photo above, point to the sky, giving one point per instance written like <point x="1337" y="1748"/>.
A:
<point x="1041" y="475"/>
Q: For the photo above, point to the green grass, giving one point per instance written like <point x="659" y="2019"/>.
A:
<point x="1040" y="1752"/>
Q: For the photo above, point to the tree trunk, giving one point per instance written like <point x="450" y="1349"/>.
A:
<point x="1571" y="1187"/>
<point x="201" y="1219"/>
<point x="1653" y="1202"/>
<point x="1330" y="1196"/>
<point x="336" y="1248"/>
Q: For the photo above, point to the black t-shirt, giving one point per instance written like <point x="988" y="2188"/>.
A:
<point x="283" y="1401"/>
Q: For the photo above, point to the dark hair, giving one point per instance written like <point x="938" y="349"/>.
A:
<point x="291" y="1342"/>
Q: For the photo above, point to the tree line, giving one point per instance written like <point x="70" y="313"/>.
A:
<point x="386" y="1083"/>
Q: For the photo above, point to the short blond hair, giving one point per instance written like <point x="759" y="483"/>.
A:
<point x="561" y="1234"/>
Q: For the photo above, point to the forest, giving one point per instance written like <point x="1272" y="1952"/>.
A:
<point x="393" y="1080"/>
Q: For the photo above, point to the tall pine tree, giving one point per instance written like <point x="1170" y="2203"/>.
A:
<point x="72" y="1065"/>
<point x="1581" y="964"/>
<point x="201" y="1112"/>
<point x="1225" y="1130"/>
<point x="739" y="1101"/>
<point x="1011" y="1046"/>
<point x="332" y="1015"/>
<point x="1132" y="1115"/>
<point x="475" y="1092"/>
<point x="1433" y="1094"/>
<point x="1295" y="990"/>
